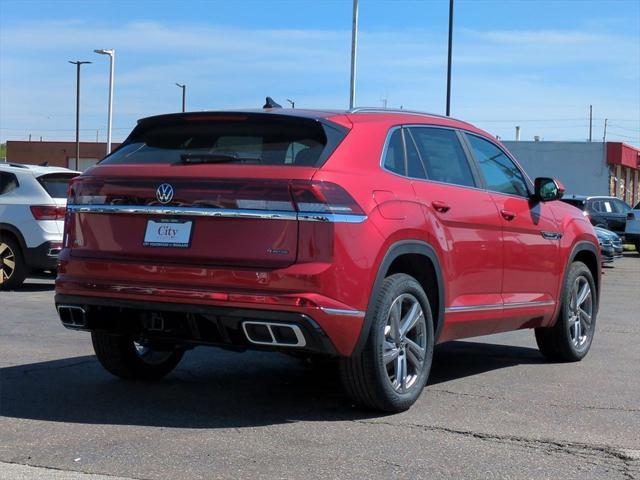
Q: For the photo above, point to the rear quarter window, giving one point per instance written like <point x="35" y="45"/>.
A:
<point x="8" y="183"/>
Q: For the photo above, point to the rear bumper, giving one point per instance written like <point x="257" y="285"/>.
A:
<point x="189" y="324"/>
<point x="43" y="257"/>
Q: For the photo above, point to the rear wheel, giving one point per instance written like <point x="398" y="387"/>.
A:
<point x="124" y="358"/>
<point x="392" y="369"/>
<point x="13" y="270"/>
<point x="570" y="338"/>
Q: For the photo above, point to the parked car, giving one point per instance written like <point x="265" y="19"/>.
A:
<point x="610" y="246"/>
<point x="32" y="209"/>
<point x="364" y="235"/>
<point x="605" y="212"/>
<point x="632" y="227"/>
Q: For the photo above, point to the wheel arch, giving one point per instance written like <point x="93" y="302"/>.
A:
<point x="411" y="257"/>
<point x="6" y="228"/>
<point x="587" y="253"/>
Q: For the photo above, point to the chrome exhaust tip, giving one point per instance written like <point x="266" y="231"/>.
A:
<point x="73" y="316"/>
<point x="273" y="334"/>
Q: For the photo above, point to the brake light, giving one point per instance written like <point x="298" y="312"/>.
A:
<point x="324" y="197"/>
<point x="48" y="212"/>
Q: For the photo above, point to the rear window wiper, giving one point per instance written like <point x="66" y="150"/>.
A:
<point x="207" y="157"/>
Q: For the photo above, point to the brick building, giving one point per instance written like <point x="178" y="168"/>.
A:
<point x="59" y="154"/>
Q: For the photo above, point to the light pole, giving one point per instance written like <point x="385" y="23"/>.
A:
<point x="184" y="95"/>
<point x="112" y="60"/>
<point x="77" y="64"/>
<point x="293" y="104"/>
<point x="354" y="54"/>
<point x="449" y="58"/>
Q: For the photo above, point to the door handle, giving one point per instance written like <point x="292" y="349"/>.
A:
<point x="507" y="214"/>
<point x="439" y="206"/>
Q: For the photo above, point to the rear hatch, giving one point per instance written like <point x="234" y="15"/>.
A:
<point x="56" y="185"/>
<point x="203" y="189"/>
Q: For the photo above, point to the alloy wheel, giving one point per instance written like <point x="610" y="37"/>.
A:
<point x="405" y="342"/>
<point x="7" y="262"/>
<point x="580" y="312"/>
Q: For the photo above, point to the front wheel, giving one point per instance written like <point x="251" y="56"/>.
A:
<point x="124" y="358"/>
<point x="570" y="339"/>
<point x="392" y="369"/>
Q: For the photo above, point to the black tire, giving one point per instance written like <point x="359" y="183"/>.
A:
<point x="13" y="270"/>
<point x="119" y="356"/>
<point x="365" y="376"/>
<point x="558" y="343"/>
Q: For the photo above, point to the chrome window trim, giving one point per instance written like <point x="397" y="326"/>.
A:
<point x="218" y="213"/>
<point x="498" y="306"/>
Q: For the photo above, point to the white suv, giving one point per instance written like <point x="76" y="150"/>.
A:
<point x="33" y="201"/>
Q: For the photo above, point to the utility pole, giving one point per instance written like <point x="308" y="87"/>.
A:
<point x="590" y="122"/>
<point x="77" y="64"/>
<point x="184" y="96"/>
<point x="112" y="61"/>
<point x="604" y="136"/>
<point x="449" y="57"/>
<point x="354" y="53"/>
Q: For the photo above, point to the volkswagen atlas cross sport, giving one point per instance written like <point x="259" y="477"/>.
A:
<point x="364" y="235"/>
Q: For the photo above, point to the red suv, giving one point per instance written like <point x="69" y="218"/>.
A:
<point x="364" y="235"/>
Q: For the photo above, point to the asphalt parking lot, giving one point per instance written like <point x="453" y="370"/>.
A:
<point x="493" y="409"/>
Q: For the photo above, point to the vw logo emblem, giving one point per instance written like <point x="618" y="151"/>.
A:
<point x="164" y="193"/>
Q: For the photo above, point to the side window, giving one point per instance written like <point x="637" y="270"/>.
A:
<point x="394" y="156"/>
<point x="500" y="173"/>
<point x="443" y="156"/>
<point x="596" y="206"/>
<point x="621" y="207"/>
<point x="415" y="168"/>
<point x="607" y="206"/>
<point x="8" y="183"/>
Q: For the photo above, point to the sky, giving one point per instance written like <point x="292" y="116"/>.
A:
<point x="534" y="63"/>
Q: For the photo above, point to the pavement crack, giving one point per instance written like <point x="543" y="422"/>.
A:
<point x="554" y="405"/>
<point x="583" y="450"/>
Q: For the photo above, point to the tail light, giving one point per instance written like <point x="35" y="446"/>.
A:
<point x="48" y="212"/>
<point x="323" y="197"/>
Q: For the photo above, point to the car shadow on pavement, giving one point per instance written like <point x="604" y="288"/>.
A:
<point x="35" y="287"/>
<point x="215" y="389"/>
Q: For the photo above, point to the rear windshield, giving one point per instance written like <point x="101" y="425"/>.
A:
<point x="56" y="184"/>
<point x="253" y="140"/>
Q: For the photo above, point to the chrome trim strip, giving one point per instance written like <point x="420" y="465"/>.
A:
<point x="331" y="217"/>
<point x="343" y="311"/>
<point x="219" y="212"/>
<point x="184" y="211"/>
<point x="546" y="303"/>
<point x="479" y="308"/>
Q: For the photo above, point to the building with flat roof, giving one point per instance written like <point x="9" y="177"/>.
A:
<point x="59" y="154"/>
<point x="585" y="168"/>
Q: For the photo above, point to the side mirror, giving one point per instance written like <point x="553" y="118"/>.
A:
<point x="548" y="189"/>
